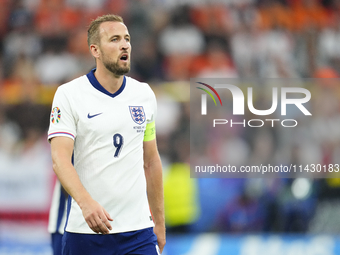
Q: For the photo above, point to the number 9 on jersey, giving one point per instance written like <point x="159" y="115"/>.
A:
<point x="118" y="142"/>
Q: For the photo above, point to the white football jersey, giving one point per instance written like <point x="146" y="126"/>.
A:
<point x="108" y="131"/>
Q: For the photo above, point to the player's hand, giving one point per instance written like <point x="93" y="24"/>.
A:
<point x="159" y="231"/>
<point x="97" y="217"/>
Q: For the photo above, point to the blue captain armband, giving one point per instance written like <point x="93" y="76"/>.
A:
<point x="150" y="132"/>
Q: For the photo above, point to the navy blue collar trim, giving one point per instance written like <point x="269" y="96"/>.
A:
<point x="93" y="80"/>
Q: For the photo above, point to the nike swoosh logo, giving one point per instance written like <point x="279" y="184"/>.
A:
<point x="91" y="116"/>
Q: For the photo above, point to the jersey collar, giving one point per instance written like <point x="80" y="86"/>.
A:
<point x="93" y="80"/>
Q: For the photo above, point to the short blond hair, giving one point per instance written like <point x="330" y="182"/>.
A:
<point x="93" y="31"/>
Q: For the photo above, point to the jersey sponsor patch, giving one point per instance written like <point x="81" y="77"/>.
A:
<point x="137" y="114"/>
<point x="55" y="115"/>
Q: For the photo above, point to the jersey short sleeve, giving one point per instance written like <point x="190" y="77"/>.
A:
<point x="153" y="107"/>
<point x="62" y="120"/>
<point x="150" y="131"/>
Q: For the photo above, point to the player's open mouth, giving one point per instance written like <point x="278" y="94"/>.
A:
<point x="124" y="57"/>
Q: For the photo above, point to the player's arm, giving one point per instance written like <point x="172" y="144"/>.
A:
<point x="95" y="215"/>
<point x="154" y="181"/>
<point x="64" y="191"/>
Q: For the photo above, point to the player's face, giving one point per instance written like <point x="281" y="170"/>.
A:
<point x="115" y="47"/>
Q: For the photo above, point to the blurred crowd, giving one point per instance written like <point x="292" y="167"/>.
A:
<point x="43" y="43"/>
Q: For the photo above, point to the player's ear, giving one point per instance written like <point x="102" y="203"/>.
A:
<point x="95" y="51"/>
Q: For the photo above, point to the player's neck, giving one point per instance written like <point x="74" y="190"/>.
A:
<point x="108" y="80"/>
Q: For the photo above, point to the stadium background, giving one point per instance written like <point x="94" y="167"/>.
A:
<point x="43" y="44"/>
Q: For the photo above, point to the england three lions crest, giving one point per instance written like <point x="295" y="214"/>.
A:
<point x="137" y="114"/>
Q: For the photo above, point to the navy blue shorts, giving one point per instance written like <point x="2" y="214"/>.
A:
<point x="140" y="242"/>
